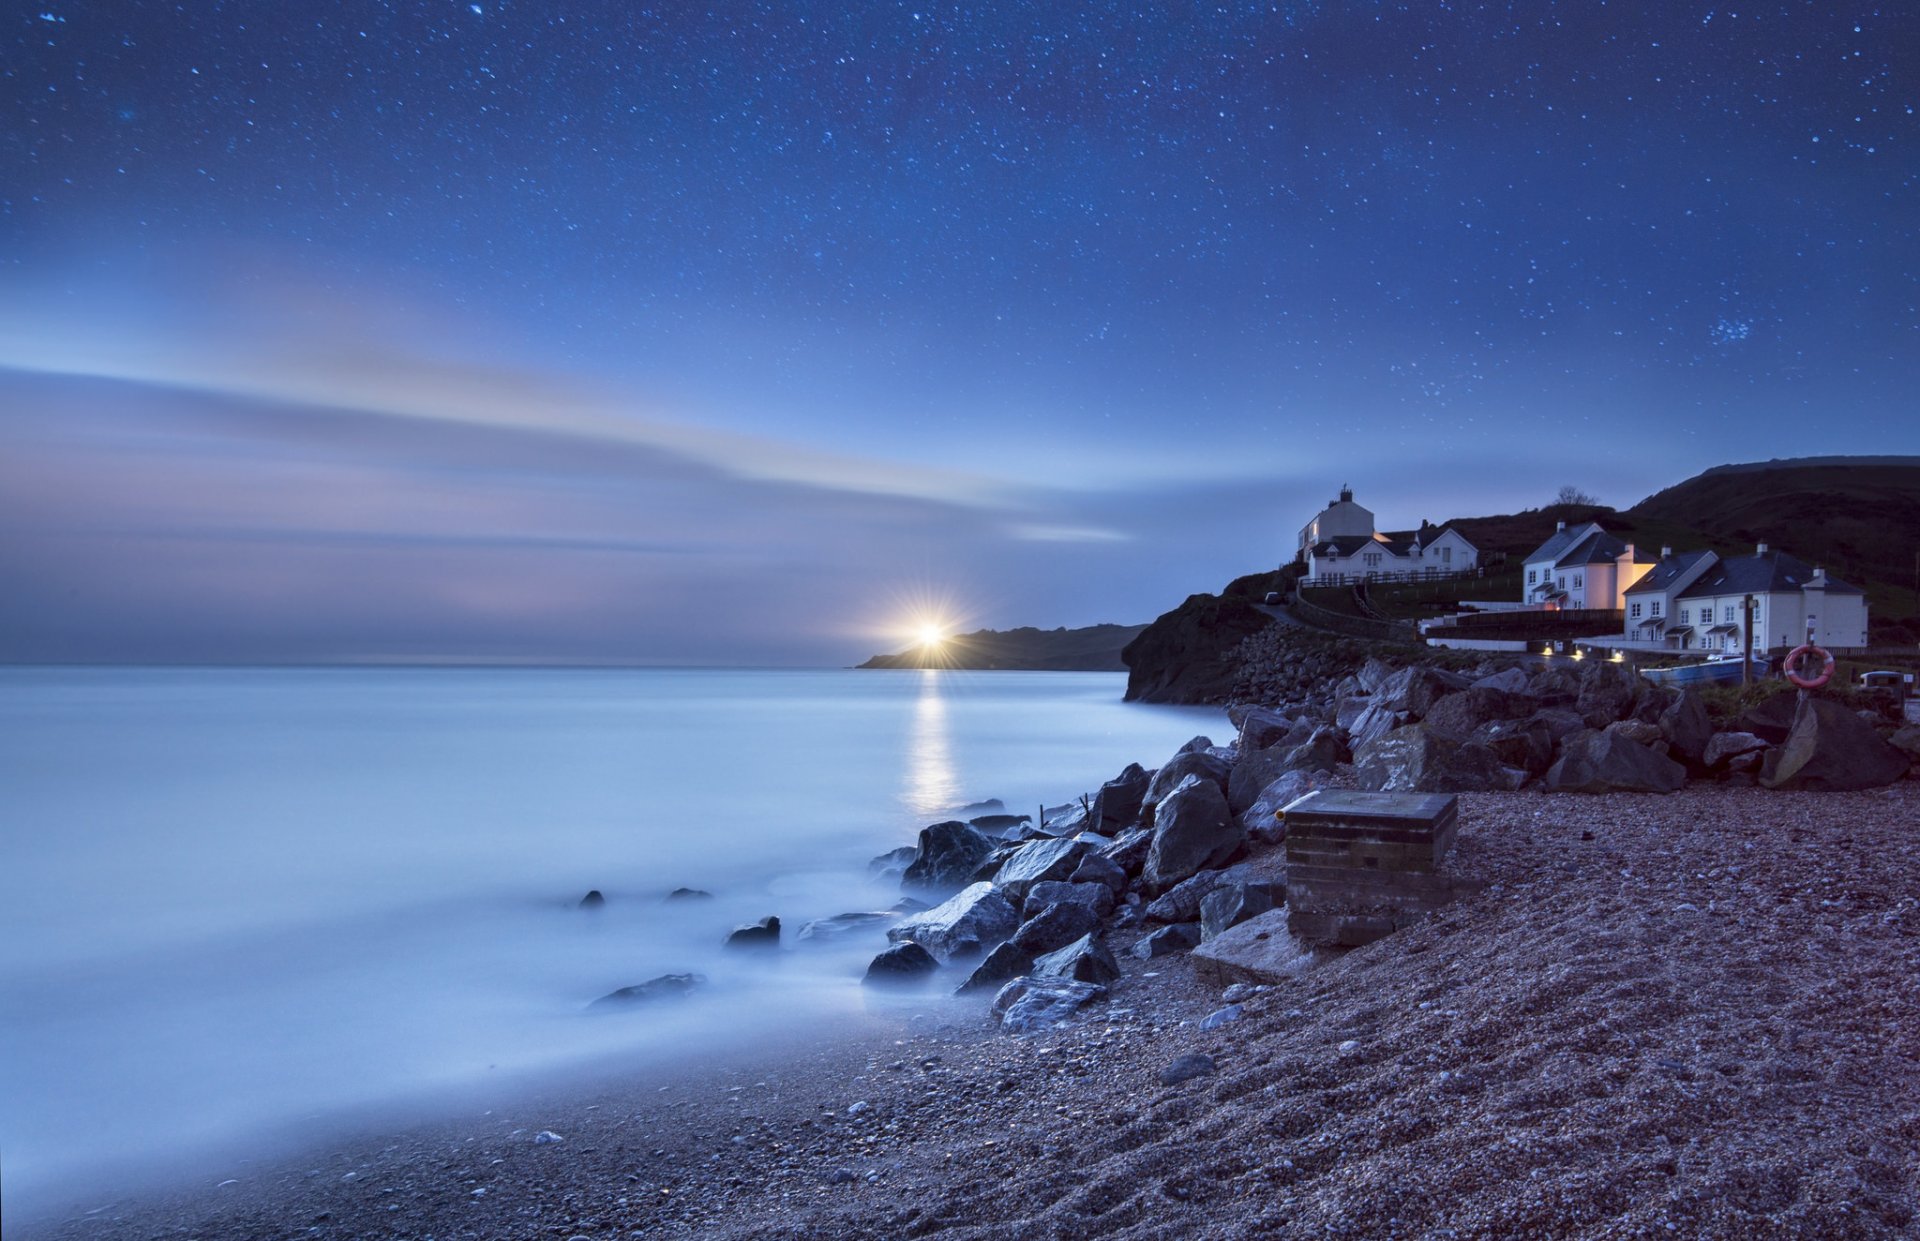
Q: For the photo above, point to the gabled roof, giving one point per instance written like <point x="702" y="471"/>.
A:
<point x="1344" y="544"/>
<point x="1556" y="546"/>
<point x="1598" y="547"/>
<point x="1773" y="573"/>
<point x="1428" y="540"/>
<point x="1663" y="574"/>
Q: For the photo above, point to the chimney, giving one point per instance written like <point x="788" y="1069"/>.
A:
<point x="1819" y="575"/>
<point x="1559" y="526"/>
<point x="1760" y="550"/>
<point x="1346" y="495"/>
<point x="1666" y="553"/>
<point x="1630" y="553"/>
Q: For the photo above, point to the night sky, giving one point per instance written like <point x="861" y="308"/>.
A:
<point x="739" y="335"/>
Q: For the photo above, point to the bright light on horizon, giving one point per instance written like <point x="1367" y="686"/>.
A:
<point x="932" y="634"/>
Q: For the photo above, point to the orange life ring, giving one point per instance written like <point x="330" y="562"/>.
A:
<point x="1792" y="666"/>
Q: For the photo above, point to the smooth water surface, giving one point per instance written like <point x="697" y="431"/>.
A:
<point x="233" y="900"/>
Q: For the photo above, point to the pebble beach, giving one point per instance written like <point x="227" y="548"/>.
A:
<point x="1688" y="1015"/>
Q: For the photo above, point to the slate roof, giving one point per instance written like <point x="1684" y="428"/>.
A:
<point x="1662" y="575"/>
<point x="1773" y="573"/>
<point x="1553" y="547"/>
<point x="1344" y="544"/>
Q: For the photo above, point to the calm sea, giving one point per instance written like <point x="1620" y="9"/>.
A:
<point x="233" y="902"/>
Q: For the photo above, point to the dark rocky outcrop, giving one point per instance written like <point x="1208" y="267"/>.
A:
<point x="1052" y="858"/>
<point x="1006" y="962"/>
<point x="665" y="987"/>
<point x="1028" y="1004"/>
<point x="1117" y="805"/>
<point x="1180" y="937"/>
<point x="1179" y="767"/>
<point x="1187" y="655"/>
<point x="1597" y="762"/>
<point x="903" y="963"/>
<point x="947" y="856"/>
<point x="1831" y="749"/>
<point x="1054" y="927"/>
<point x="764" y="934"/>
<point x="1414" y="759"/>
<point x="593" y="900"/>
<point x="1085" y="960"/>
<point x="689" y="894"/>
<point x="1097" y="897"/>
<point x="1687" y="729"/>
<point x="1193" y="831"/>
<point x="966" y="924"/>
<point x="1230" y="904"/>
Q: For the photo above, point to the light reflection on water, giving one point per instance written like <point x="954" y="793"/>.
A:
<point x="230" y="900"/>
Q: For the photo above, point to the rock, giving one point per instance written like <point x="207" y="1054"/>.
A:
<point x="1261" y="819"/>
<point x="1372" y="675"/>
<point x="1601" y="705"/>
<point x="1097" y="868"/>
<point x="1128" y="850"/>
<point x="1006" y="962"/>
<point x="967" y="923"/>
<point x="1066" y="820"/>
<point x="1199" y="745"/>
<point x="1507" y="680"/>
<point x="1457" y="715"/>
<point x="1906" y="739"/>
<point x="1261" y="728"/>
<point x="665" y="987"/>
<point x="593" y="900"/>
<point x="1180" y="937"/>
<point x="1259" y="950"/>
<point x="908" y="905"/>
<point x="1052" y="858"/>
<point x="821" y="930"/>
<point x="1522" y="744"/>
<point x="1182" y="765"/>
<point x="1594" y="762"/>
<point x="1193" y="831"/>
<point x="1687" y="728"/>
<point x="1348" y="708"/>
<point x="1254" y="772"/>
<point x="989" y="870"/>
<point x="992" y="805"/>
<point x="1413" y="759"/>
<point x="1222" y="1017"/>
<point x="1231" y="904"/>
<point x="999" y="824"/>
<point x="1190" y="653"/>
<point x="1186" y="1068"/>
<point x="1097" y="897"/>
<point x="1374" y="723"/>
<point x="1086" y="960"/>
<point x="762" y="934"/>
<point x="1181" y="903"/>
<point x="689" y="894"/>
<point x="893" y="863"/>
<point x="546" y="1137"/>
<point x="948" y="855"/>
<point x="903" y="963"/>
<point x="1724" y="747"/>
<point x="1558" y="723"/>
<point x="1415" y="689"/>
<point x="1054" y="927"/>
<point x="1117" y="805"/>
<point x="1830" y="749"/>
<point x="1638" y="731"/>
<point x="1028" y="1003"/>
<point x="1770" y="719"/>
<point x="1323" y="751"/>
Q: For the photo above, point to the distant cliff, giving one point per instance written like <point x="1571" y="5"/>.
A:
<point x="1095" y="648"/>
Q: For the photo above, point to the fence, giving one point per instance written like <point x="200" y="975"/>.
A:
<point x="1353" y="626"/>
<point x="1393" y="576"/>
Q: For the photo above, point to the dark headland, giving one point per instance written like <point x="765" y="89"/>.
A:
<point x="1095" y="648"/>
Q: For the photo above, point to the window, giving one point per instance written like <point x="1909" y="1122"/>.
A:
<point x="1372" y="559"/>
<point x="1562" y="583"/>
<point x="1446" y="555"/>
<point x="1726" y="614"/>
<point x="1576" y="581"/>
<point x="1683" y="616"/>
<point x="1633" y="610"/>
<point x="1531" y="575"/>
<point x="1656" y="607"/>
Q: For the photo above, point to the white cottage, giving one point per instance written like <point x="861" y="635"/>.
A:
<point x="1341" y="519"/>
<point x="1695" y="601"/>
<point x="1584" y="567"/>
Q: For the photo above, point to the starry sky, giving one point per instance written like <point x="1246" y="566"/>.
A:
<point x="745" y="334"/>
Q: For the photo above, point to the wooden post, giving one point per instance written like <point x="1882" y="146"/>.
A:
<point x="1746" y="654"/>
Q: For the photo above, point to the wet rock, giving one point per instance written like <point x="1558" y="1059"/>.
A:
<point x="1006" y="962"/>
<point x="1129" y="850"/>
<point x="1199" y="745"/>
<point x="1098" y="868"/>
<point x="989" y="870"/>
<point x="1066" y="820"/>
<point x="999" y="824"/>
<point x="1457" y="715"/>
<point x="1039" y="860"/>
<point x="947" y="856"/>
<point x="1186" y="1068"/>
<point x="1770" y="719"/>
<point x="1636" y="730"/>
<point x="1222" y="1017"/>
<point x="1230" y="904"/>
<point x="1830" y="749"/>
<point x="1526" y="745"/>
<point x="764" y="934"/>
<point x="593" y="900"/>
<point x="1259" y="950"/>
<point x="1117" y="805"/>
<point x="1595" y="762"/>
<point x="1085" y="960"/>
<point x="1414" y="759"/>
<point x="665" y="987"/>
<point x="903" y="963"/>
<point x="1193" y="831"/>
<point x="1260" y="728"/>
<point x="1687" y="728"/>
<point x="1507" y="680"/>
<point x="1180" y="937"/>
<point x="1097" y="897"/>
<point x="1261" y="820"/>
<point x="1028" y="1004"/>
<point x="1181" y="903"/>
<point x="689" y="894"/>
<point x="893" y="863"/>
<point x="1724" y="747"/>
<point x="1182" y="765"/>
<point x="1415" y="689"/>
<point x="968" y="923"/>
<point x="1054" y="927"/>
<point x="821" y="930"/>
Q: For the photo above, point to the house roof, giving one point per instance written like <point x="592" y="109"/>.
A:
<point x="1559" y="543"/>
<point x="1428" y="540"/>
<point x="1344" y="544"/>
<point x="1662" y="575"/>
<point x="1773" y="573"/>
<point x="1598" y="547"/>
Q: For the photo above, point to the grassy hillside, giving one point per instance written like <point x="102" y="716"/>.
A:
<point x="1858" y="516"/>
<point x="1093" y="649"/>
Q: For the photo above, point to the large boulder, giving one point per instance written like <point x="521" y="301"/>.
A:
<point x="1458" y="715"/>
<point x="764" y="934"/>
<point x="1723" y="748"/>
<point x="1053" y="927"/>
<point x="1097" y="897"/>
<point x="1179" y="767"/>
<point x="1770" y="719"/>
<point x="1687" y="728"/>
<point x="1260" y="728"/>
<point x="1907" y="740"/>
<point x="1323" y="751"/>
<point x="1261" y="820"/>
<point x="965" y="924"/>
<point x="1028" y="1004"/>
<point x="1180" y="937"/>
<point x="665" y="987"/>
<point x="1597" y="762"/>
<point x="1047" y="858"/>
<point x="1230" y="904"/>
<point x="947" y="856"/>
<point x="1193" y="831"/>
<point x="1413" y="759"/>
<point x="1117" y="805"/>
<point x="1831" y="749"/>
<point x="1191" y="654"/>
<point x="902" y="963"/>
<point x="1374" y="723"/>
<point x="1526" y="745"/>
<point x="1097" y="868"/>
<point x="1415" y="689"/>
<point x="1007" y="961"/>
<point x="1507" y="680"/>
<point x="1085" y="960"/>
<point x="1128" y="850"/>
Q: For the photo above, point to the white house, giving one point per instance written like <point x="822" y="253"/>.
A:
<point x="1584" y="567"/>
<point x="1695" y="601"/>
<point x="1341" y="544"/>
